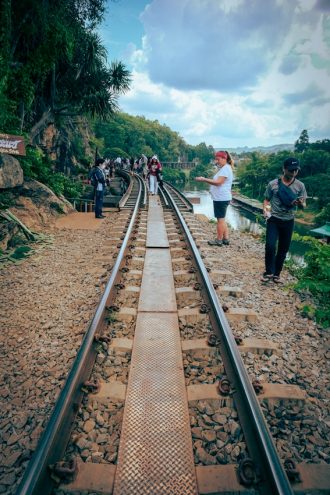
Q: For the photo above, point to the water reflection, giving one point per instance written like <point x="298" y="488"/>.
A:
<point x="237" y="219"/>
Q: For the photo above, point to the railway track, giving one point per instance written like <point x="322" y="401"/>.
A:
<point x="201" y="429"/>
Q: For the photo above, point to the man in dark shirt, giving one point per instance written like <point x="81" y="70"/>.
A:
<point x="99" y="180"/>
<point x="280" y="218"/>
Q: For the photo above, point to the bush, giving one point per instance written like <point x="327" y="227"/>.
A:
<point x="174" y="176"/>
<point x="36" y="166"/>
<point x="314" y="278"/>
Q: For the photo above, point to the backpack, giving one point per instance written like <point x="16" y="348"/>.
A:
<point x="92" y="177"/>
<point x="286" y="195"/>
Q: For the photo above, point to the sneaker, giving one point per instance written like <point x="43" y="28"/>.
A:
<point x="276" y="279"/>
<point x="225" y="242"/>
<point x="216" y="242"/>
<point x="100" y="216"/>
<point x="266" y="277"/>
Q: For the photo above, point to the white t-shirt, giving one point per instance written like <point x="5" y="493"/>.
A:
<point x="223" y="192"/>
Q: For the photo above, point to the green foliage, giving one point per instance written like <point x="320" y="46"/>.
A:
<point x="36" y="166"/>
<point x="63" y="185"/>
<point x="323" y="216"/>
<point x="114" y="152"/>
<point x="314" y="278"/>
<point x="201" y="170"/>
<point x="137" y="135"/>
<point x="174" y="176"/>
<point x="51" y="58"/>
<point x="7" y="199"/>
<point x="256" y="170"/>
<point x="302" y="142"/>
<point x="20" y="252"/>
<point x="318" y="186"/>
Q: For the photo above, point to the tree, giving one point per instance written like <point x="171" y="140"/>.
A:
<point x="302" y="142"/>
<point x="53" y="63"/>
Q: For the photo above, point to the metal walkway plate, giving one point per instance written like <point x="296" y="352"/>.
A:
<point x="157" y="288"/>
<point x="156" y="232"/>
<point x="155" y="454"/>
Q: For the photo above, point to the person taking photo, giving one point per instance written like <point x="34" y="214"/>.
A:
<point x="282" y="197"/>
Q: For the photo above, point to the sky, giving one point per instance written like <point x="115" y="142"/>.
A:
<point x="228" y="73"/>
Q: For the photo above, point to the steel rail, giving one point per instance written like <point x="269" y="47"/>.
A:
<point x="163" y="195"/>
<point x="144" y="188"/>
<point x="181" y="196"/>
<point x="260" y="444"/>
<point x="51" y="446"/>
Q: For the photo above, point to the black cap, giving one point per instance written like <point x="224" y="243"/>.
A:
<point x="291" y="163"/>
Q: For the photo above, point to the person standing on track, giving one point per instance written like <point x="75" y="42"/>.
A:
<point x="154" y="169"/>
<point x="220" y="191"/>
<point x="282" y="197"/>
<point x="99" y="182"/>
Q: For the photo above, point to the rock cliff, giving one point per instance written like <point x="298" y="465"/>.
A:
<point x="31" y="202"/>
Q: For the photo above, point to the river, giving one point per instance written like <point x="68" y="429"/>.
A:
<point x="242" y="220"/>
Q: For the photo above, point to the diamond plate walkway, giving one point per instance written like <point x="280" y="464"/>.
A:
<point x="155" y="452"/>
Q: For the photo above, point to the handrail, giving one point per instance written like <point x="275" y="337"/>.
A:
<point x="129" y="189"/>
<point x="35" y="480"/>
<point x="261" y="445"/>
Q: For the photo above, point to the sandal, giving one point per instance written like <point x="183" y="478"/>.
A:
<point x="267" y="277"/>
<point x="276" y="279"/>
<point x="216" y="242"/>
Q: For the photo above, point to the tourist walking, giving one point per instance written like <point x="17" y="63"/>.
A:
<point x="154" y="169"/>
<point x="282" y="197"/>
<point x="220" y="191"/>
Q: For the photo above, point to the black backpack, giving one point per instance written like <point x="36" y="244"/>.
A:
<point x="286" y="196"/>
<point x="92" y="177"/>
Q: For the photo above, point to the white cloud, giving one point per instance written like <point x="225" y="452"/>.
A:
<point x="233" y="72"/>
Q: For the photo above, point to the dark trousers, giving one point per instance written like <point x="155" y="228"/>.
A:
<point x="277" y="231"/>
<point x="98" y="203"/>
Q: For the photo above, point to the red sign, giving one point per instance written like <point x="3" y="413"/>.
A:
<point x="13" y="145"/>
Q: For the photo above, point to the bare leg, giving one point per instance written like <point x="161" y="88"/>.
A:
<point x="226" y="232"/>
<point x="222" y="229"/>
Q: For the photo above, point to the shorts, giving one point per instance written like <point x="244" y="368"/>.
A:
<point x="220" y="208"/>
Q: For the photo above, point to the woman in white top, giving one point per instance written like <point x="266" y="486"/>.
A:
<point x="220" y="191"/>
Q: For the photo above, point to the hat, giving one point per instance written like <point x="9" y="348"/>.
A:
<point x="221" y="154"/>
<point x="291" y="163"/>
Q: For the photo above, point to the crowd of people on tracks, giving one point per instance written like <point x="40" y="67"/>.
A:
<point x="103" y="170"/>
<point x="283" y="196"/>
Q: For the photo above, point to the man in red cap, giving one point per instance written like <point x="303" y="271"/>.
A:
<point x="220" y="191"/>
